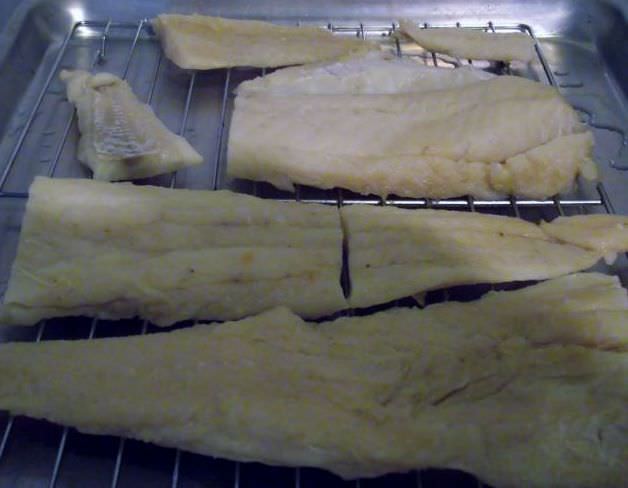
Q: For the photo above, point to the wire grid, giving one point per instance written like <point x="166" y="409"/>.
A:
<point x="142" y="30"/>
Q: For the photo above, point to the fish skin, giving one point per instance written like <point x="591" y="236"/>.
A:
<point x="472" y="43"/>
<point x="523" y="388"/>
<point x="121" y="138"/>
<point x="370" y="74"/>
<point x="119" y="251"/>
<point x="394" y="253"/>
<point x="204" y="42"/>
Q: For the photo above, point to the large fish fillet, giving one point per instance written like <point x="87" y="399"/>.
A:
<point x="203" y="42"/>
<point x="118" y="250"/>
<point x="505" y="135"/>
<point x="373" y="73"/>
<point x="471" y="43"/>
<point x="524" y="389"/>
<point x="395" y="253"/>
<point x="121" y="138"/>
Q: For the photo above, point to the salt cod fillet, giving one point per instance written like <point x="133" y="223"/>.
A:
<point x="524" y="389"/>
<point x="118" y="250"/>
<point x="121" y="138"/>
<point x="394" y="253"/>
<point x="505" y="135"/>
<point x="471" y="43"/>
<point x="203" y="42"/>
<point x="373" y="73"/>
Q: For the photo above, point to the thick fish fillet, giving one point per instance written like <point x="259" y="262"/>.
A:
<point x="203" y="42"/>
<point x="373" y="73"/>
<point x="395" y="253"/>
<point x="485" y="139"/>
<point x="118" y="250"/>
<point x="121" y="138"/>
<point x="524" y="389"/>
<point x="471" y="43"/>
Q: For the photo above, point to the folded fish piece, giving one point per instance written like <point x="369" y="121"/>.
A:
<point x="395" y="253"/>
<point x="485" y="139"/>
<point x="118" y="250"/>
<point x="121" y="138"/>
<point x="373" y="73"/>
<point x="471" y="43"/>
<point x="525" y="388"/>
<point x="203" y="42"/>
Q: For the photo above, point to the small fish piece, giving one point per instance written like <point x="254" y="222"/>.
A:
<point x="121" y="138"/>
<point x="369" y="74"/>
<point x="204" y="42"/>
<point x="523" y="388"/>
<point x="501" y="136"/>
<point x="471" y="43"/>
<point x="604" y="233"/>
<point x="120" y="251"/>
<point x="394" y="253"/>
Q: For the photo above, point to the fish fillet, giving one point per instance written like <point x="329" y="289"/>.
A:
<point x="486" y="139"/>
<point x="121" y="138"/>
<point x="203" y="42"/>
<point x="118" y="250"/>
<point x="471" y="43"/>
<point x="394" y="253"/>
<point x="373" y="73"/>
<point x="524" y="389"/>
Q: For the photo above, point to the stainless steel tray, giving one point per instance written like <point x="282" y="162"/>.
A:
<point x="581" y="51"/>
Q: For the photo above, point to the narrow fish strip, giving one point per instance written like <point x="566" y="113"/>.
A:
<point x="203" y="42"/>
<point x="395" y="253"/>
<point x="472" y="43"/>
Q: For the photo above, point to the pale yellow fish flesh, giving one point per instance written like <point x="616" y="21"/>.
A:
<point x="121" y="138"/>
<point x="395" y="253"/>
<point x="523" y="389"/>
<point x="501" y="136"/>
<point x="203" y="42"/>
<point x="471" y="43"/>
<point x="604" y="233"/>
<point x="370" y="74"/>
<point x="119" y="250"/>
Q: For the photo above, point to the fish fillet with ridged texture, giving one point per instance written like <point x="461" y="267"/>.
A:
<point x="121" y="138"/>
<point x="373" y="73"/>
<point x="203" y="42"/>
<point x="119" y="250"/>
<point x="523" y="389"/>
<point x="394" y="253"/>
<point x="505" y="135"/>
<point x="471" y="43"/>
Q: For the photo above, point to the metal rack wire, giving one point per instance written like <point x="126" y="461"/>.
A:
<point x="142" y="31"/>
